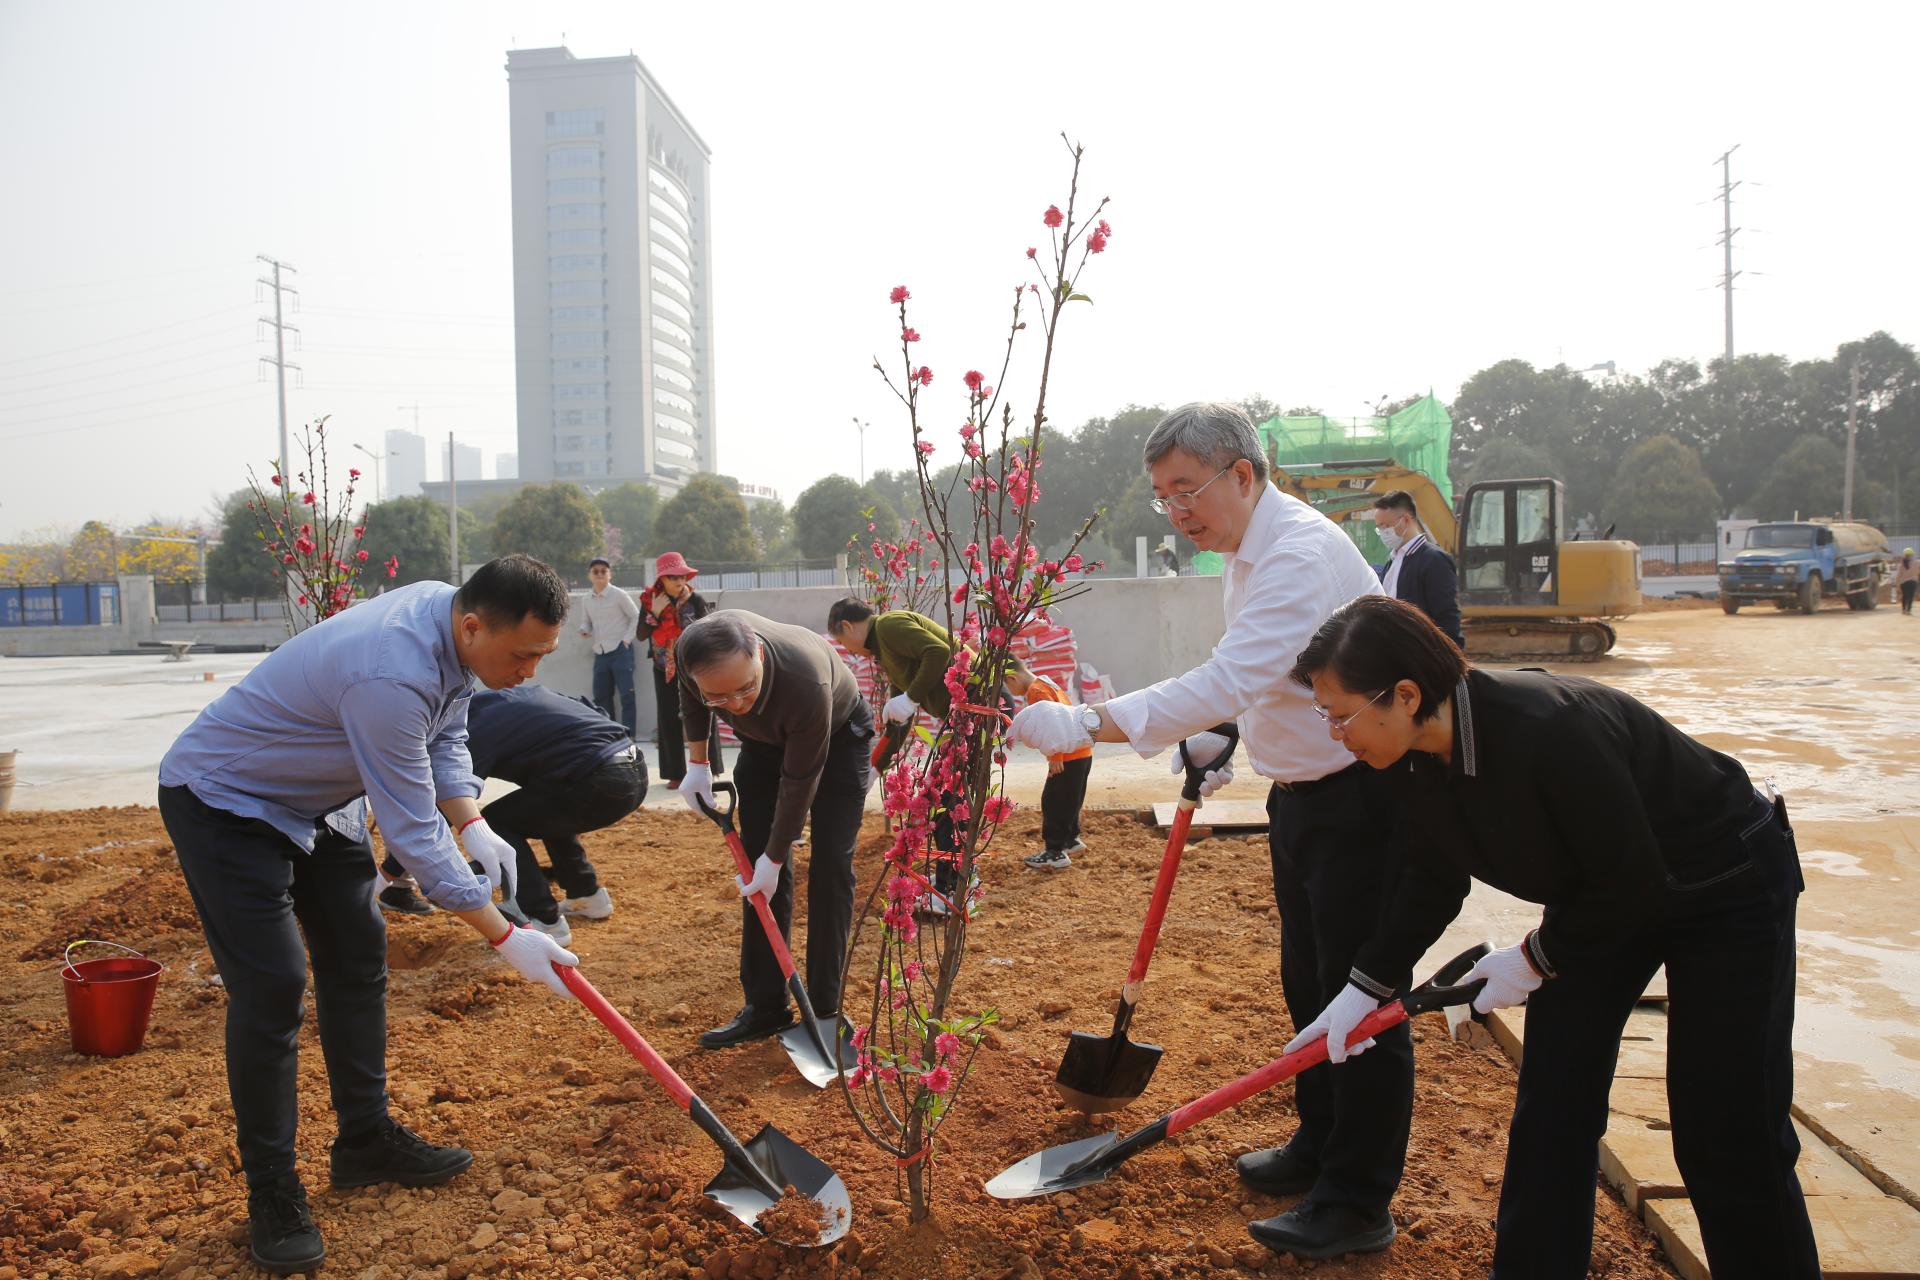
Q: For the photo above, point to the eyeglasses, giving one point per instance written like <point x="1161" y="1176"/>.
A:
<point x="1338" y="728"/>
<point x="1183" y="501"/>
<point x="747" y="692"/>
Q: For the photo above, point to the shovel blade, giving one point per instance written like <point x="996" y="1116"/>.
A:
<point x="787" y="1163"/>
<point x="819" y="1072"/>
<point x="1099" y="1074"/>
<point x="1045" y="1172"/>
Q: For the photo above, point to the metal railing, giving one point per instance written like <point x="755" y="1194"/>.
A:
<point x="60" y="604"/>
<point x="729" y="575"/>
<point x="192" y="601"/>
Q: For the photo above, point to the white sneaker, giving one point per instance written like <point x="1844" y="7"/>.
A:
<point x="595" y="906"/>
<point x="1048" y="860"/>
<point x="560" y="931"/>
<point x="1078" y="846"/>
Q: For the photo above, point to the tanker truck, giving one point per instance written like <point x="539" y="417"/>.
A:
<point x="1797" y="563"/>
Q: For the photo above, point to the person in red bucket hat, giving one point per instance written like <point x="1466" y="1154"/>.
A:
<point x="667" y="608"/>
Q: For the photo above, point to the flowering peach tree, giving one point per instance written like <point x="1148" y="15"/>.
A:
<point x="313" y="540"/>
<point x="945" y="793"/>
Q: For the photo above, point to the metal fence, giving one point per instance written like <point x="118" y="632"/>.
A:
<point x="60" y="604"/>
<point x="728" y="575"/>
<point x="192" y="601"/>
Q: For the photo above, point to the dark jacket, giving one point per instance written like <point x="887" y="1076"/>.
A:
<point x="1564" y="792"/>
<point x="531" y="736"/>
<point x="1428" y="583"/>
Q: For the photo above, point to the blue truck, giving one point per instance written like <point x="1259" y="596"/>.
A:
<point x="1797" y="563"/>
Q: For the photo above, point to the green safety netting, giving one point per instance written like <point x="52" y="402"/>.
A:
<point x="1418" y="437"/>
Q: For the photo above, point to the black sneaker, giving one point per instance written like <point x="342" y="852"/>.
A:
<point x="280" y="1225"/>
<point x="402" y="898"/>
<point x="1048" y="860"/>
<point x="1311" y="1230"/>
<point x="396" y="1154"/>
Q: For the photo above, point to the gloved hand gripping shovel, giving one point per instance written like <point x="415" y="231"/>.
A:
<point x="1090" y="1160"/>
<point x="756" y="1173"/>
<point x="1104" y="1073"/>
<point x="820" y="1049"/>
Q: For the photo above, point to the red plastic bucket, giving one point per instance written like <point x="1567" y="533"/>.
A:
<point x="110" y="1000"/>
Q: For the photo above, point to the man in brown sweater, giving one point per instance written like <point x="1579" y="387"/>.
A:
<point x="804" y="737"/>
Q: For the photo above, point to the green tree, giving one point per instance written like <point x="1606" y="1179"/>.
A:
<point x="631" y="509"/>
<point x="1805" y="481"/>
<point x="833" y="509"/>
<point x="1661" y="494"/>
<point x="556" y="523"/>
<point x="706" y="522"/>
<point x="238" y="565"/>
<point x="772" y="529"/>
<point x="414" y="529"/>
<point x="1089" y="470"/>
<point x="1506" y="460"/>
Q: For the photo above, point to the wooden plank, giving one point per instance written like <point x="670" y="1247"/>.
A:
<point x="1221" y="815"/>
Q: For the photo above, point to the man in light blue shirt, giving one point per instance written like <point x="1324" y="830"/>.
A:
<point x="262" y="797"/>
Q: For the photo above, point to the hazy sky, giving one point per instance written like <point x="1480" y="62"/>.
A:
<point x="1321" y="207"/>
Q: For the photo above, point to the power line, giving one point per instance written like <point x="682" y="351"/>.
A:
<point x="113" y="391"/>
<point x="171" y="362"/>
<point x="121" y="411"/>
<point x="141" y="333"/>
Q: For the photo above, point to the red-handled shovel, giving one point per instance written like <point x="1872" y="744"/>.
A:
<point x="757" y="1172"/>
<point x="807" y="1044"/>
<point x="1090" y="1160"/>
<point x="1104" y="1073"/>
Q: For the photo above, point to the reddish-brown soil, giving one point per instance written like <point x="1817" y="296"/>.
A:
<point x="126" y="1167"/>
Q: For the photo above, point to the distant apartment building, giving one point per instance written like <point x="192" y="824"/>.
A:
<point x="611" y="275"/>
<point x="506" y="466"/>
<point x="406" y="463"/>
<point x="466" y="462"/>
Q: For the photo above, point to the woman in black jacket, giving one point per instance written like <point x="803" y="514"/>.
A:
<point x="667" y="608"/>
<point x="1646" y="848"/>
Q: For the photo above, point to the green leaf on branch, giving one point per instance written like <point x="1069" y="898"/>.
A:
<point x="1080" y="297"/>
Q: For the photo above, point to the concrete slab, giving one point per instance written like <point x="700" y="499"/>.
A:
<point x="1218" y="813"/>
<point x="1865" y="1239"/>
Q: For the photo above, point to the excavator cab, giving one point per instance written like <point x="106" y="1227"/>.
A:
<point x="1510" y="543"/>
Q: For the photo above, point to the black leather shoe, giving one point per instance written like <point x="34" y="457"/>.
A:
<point x="748" y="1024"/>
<point x="402" y="898"/>
<point x="1278" y="1171"/>
<point x="396" y="1154"/>
<point x="1312" y="1230"/>
<point x="284" y="1239"/>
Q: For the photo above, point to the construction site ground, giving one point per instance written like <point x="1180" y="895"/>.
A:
<point x="124" y="1167"/>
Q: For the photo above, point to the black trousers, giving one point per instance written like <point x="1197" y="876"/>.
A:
<point x="673" y="735"/>
<point x="1906" y="596"/>
<point x="1729" y="952"/>
<point x="837" y="807"/>
<point x="1060" y="801"/>
<point x="557" y="814"/>
<point x="257" y="894"/>
<point x="1335" y="862"/>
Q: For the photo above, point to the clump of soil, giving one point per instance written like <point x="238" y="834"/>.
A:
<point x="795" y="1219"/>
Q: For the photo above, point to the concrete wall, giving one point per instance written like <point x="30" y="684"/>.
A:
<point x="1137" y="630"/>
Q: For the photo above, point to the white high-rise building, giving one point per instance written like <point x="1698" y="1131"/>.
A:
<point x="466" y="461"/>
<point x="406" y="464"/>
<point x="611" y="274"/>
<point x="506" y="466"/>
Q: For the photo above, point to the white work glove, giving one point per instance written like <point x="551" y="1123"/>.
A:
<point x="1336" y="1022"/>
<point x="381" y="880"/>
<point x="1510" y="978"/>
<point x="766" y="877"/>
<point x="496" y="857"/>
<point x="534" y="954"/>
<point x="1201" y="748"/>
<point x="899" y="709"/>
<point x="1051" y="728"/>
<point x="696" y="786"/>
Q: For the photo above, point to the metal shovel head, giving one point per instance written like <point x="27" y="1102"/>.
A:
<point x="1060" y="1168"/>
<point x="788" y="1164"/>
<point x="1099" y="1074"/>
<point x="836" y="1035"/>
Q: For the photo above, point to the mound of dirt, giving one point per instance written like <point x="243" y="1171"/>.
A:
<point x="587" y="1169"/>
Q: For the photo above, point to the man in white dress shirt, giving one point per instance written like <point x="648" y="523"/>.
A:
<point x="1334" y="860"/>
<point x="611" y="619"/>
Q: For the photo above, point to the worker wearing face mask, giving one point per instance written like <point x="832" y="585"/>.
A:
<point x="1419" y="572"/>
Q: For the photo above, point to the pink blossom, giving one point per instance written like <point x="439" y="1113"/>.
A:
<point x="1033" y="253"/>
<point x="912" y="971"/>
<point x="946" y="1044"/>
<point x="967" y="431"/>
<point x="909" y="335"/>
<point x="353" y="473"/>
<point x="1103" y="228"/>
<point x="307" y="498"/>
<point x="859" y="1037"/>
<point x="1053" y="217"/>
<point x="959" y="595"/>
<point x="973" y="379"/>
<point x="997" y="636"/>
<point x="924" y="376"/>
<point x="1096" y="243"/>
<point x="925" y="447"/>
<point x="996" y="809"/>
<point x="938" y="1080"/>
<point x="899" y="294"/>
<point x="1073" y="564"/>
<point x="858" y="1077"/>
<point x="301" y="600"/>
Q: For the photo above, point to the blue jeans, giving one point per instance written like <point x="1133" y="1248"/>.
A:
<point x="612" y="671"/>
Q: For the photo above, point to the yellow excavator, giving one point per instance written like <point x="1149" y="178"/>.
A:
<point x="1525" y="593"/>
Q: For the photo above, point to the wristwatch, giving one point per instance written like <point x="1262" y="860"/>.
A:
<point x="1090" y="719"/>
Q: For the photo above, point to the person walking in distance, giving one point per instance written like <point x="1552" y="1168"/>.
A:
<point x="610" y="620"/>
<point x="1907" y="577"/>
